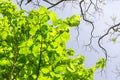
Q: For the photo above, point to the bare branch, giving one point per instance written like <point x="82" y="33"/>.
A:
<point x="104" y="35"/>
<point x="56" y="4"/>
<point x="49" y="2"/>
<point x="83" y="15"/>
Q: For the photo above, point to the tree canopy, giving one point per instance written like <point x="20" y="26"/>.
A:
<point x="33" y="46"/>
<point x="89" y="10"/>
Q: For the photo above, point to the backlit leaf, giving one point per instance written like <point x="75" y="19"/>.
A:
<point x="53" y="16"/>
<point x="29" y="42"/>
<point x="43" y="10"/>
<point x="4" y="35"/>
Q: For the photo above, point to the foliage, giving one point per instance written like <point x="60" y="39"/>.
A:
<point x="32" y="47"/>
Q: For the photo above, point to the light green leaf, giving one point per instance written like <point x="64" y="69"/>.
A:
<point x="65" y="36"/>
<point x="36" y="50"/>
<point x="1" y="50"/>
<point x="59" y="50"/>
<point x="52" y="74"/>
<point x="70" y="69"/>
<point x="46" y="58"/>
<point x="58" y="75"/>
<point x="4" y="62"/>
<point x="32" y="31"/>
<point x="60" y="68"/>
<point x="52" y="16"/>
<point x="45" y="70"/>
<point x="29" y="42"/>
<point x="70" y="52"/>
<point x="73" y="21"/>
<point x="45" y="19"/>
<point x="101" y="63"/>
<point x="24" y="51"/>
<point x="43" y="10"/>
<point x="4" y="35"/>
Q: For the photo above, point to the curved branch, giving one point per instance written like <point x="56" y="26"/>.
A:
<point x="99" y="40"/>
<point x="83" y="15"/>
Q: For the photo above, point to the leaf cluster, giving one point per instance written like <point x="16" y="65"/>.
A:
<point x="33" y="46"/>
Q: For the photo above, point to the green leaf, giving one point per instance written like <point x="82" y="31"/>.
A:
<point x="22" y="59"/>
<point x="73" y="21"/>
<point x="46" y="58"/>
<point x="45" y="70"/>
<point x="70" y="69"/>
<point x="29" y="42"/>
<point x="93" y="69"/>
<point x="32" y="31"/>
<point x="45" y="19"/>
<point x="36" y="50"/>
<point x="57" y="22"/>
<point x="59" y="50"/>
<point x="24" y="51"/>
<point x="58" y="75"/>
<point x="65" y="36"/>
<point x="4" y="35"/>
<point x="60" y="68"/>
<point x="43" y="10"/>
<point x="52" y="16"/>
<point x="52" y="74"/>
<point x="1" y="50"/>
<point x="44" y="28"/>
<point x="101" y="63"/>
<point x="4" y="62"/>
<point x="70" y="52"/>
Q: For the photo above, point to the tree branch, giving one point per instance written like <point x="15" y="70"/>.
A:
<point x="86" y="20"/>
<point x="56" y="4"/>
<point x="15" y="51"/>
<point x="104" y="35"/>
